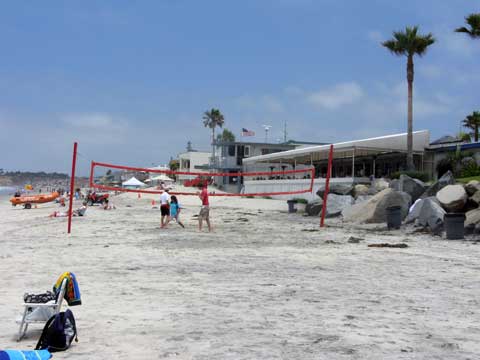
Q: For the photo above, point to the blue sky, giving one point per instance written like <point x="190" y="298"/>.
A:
<point x="129" y="80"/>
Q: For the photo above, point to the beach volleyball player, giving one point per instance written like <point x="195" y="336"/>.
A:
<point x="205" y="209"/>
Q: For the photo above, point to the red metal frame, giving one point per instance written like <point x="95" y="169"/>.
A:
<point x="72" y="186"/>
<point x="171" y="172"/>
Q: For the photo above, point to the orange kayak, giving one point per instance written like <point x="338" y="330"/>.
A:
<point x="34" y="199"/>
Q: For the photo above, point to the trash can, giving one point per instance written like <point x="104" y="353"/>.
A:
<point x="394" y="217"/>
<point x="291" y="206"/>
<point x="454" y="225"/>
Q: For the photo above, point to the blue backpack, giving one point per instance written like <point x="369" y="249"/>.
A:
<point x="58" y="333"/>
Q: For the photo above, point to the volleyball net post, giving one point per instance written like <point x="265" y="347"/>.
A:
<point x="72" y="187"/>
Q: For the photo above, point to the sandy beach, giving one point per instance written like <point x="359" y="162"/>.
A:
<point x="265" y="285"/>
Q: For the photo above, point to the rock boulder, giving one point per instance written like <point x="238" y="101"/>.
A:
<point x="360" y="190"/>
<point x="414" y="187"/>
<point x="337" y="203"/>
<point x="314" y="208"/>
<point x="374" y="210"/>
<point x="452" y="197"/>
<point x="446" y="179"/>
<point x="427" y="213"/>
<point x="472" y="187"/>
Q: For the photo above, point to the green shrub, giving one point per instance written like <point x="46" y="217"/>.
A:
<point x="470" y="169"/>
<point x="423" y="176"/>
<point x="267" y="197"/>
<point x="300" y="201"/>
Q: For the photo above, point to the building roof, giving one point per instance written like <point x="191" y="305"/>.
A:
<point x="447" y="139"/>
<point x="226" y="143"/>
<point x="363" y="147"/>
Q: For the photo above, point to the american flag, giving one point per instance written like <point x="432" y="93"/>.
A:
<point x="246" y="132"/>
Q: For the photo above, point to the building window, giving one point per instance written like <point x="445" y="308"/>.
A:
<point x="247" y="151"/>
<point x="231" y="150"/>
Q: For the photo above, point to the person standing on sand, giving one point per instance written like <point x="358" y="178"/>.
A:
<point x="205" y="209"/>
<point x="165" y="208"/>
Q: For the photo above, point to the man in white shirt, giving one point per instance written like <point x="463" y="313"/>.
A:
<point x="165" y="208"/>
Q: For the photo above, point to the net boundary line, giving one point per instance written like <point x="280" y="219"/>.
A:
<point x="310" y="170"/>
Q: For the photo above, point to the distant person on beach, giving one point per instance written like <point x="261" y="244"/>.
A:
<point x="205" y="209"/>
<point x="175" y="209"/>
<point x="77" y="212"/>
<point x="107" y="206"/>
<point x="165" y="208"/>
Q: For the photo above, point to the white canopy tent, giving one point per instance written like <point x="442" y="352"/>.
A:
<point x="133" y="182"/>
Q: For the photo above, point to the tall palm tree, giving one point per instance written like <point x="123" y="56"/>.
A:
<point x="472" y="122"/>
<point x="212" y="119"/>
<point x="473" y="20"/>
<point x="409" y="43"/>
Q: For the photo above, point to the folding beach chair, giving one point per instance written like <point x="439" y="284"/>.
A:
<point x="39" y="313"/>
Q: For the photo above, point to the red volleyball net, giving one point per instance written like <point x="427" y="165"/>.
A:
<point x="258" y="183"/>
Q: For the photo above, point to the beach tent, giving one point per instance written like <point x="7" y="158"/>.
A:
<point x="132" y="183"/>
<point x="162" y="177"/>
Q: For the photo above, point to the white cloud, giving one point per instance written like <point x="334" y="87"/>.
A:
<point x="336" y="96"/>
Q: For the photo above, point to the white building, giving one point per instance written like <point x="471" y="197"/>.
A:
<point x="193" y="161"/>
<point x="353" y="162"/>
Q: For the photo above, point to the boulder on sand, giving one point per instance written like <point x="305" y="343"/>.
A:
<point x="475" y="198"/>
<point x="414" y="187"/>
<point x="427" y="213"/>
<point x="452" y="197"/>
<point x="337" y="203"/>
<point x="472" y="187"/>
<point x="381" y="184"/>
<point x="360" y="190"/>
<point x="472" y="220"/>
<point x="336" y="188"/>
<point x="314" y="208"/>
<point x="375" y="209"/>
<point x="446" y="179"/>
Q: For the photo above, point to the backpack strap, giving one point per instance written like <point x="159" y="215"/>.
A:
<point x="44" y="332"/>
<point x="72" y="318"/>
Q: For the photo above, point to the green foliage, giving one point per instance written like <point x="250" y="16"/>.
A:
<point x="466" y="137"/>
<point x="409" y="42"/>
<point x="470" y="169"/>
<point x="473" y="21"/>
<point x="226" y="136"/>
<point x="300" y="201"/>
<point x="267" y="197"/>
<point x="213" y="118"/>
<point x="467" y="179"/>
<point x="174" y="164"/>
<point x="423" y="176"/>
<point x="472" y="122"/>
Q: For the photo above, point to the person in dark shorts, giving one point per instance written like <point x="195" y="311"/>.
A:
<point x="165" y="208"/>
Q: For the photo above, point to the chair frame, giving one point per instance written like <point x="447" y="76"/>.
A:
<point x="56" y="306"/>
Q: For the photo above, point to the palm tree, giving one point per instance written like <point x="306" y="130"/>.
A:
<point x="212" y="119"/>
<point x="473" y="20"/>
<point x="472" y="122"/>
<point x="409" y="43"/>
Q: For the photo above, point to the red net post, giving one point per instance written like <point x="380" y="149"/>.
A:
<point x="72" y="185"/>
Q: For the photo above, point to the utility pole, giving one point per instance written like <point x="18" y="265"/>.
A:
<point x="266" y="127"/>
<point x="285" y="132"/>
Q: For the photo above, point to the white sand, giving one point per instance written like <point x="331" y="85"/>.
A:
<point x="259" y="287"/>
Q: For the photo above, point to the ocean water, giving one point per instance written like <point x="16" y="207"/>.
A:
<point x="6" y="190"/>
